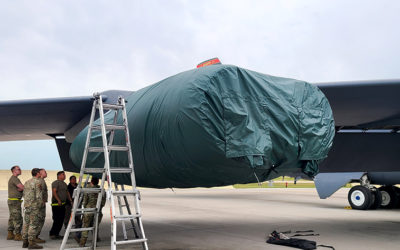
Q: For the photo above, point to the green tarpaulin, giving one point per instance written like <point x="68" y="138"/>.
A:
<point x="220" y="125"/>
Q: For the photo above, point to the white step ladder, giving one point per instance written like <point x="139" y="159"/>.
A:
<point x="105" y="172"/>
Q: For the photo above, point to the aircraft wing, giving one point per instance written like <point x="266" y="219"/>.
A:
<point x="53" y="118"/>
<point x="41" y="118"/>
<point x="364" y="104"/>
<point x="367" y="119"/>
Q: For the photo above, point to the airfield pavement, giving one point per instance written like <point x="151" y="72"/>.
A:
<point x="227" y="218"/>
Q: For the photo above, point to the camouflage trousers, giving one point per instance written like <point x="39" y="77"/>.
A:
<point x="42" y="218"/>
<point x="15" y="220"/>
<point x="32" y="223"/>
<point x="88" y="220"/>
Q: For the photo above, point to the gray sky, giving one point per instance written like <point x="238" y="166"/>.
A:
<point x="71" y="48"/>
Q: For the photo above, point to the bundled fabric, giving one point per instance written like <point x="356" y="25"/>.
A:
<point x="220" y="125"/>
<point x="282" y="239"/>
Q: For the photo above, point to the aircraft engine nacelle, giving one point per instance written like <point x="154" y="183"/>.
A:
<point x="220" y="125"/>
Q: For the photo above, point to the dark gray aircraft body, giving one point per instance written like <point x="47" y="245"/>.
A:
<point x="366" y="144"/>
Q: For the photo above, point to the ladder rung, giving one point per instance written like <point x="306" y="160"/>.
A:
<point x="91" y="190"/>
<point x="121" y="170"/>
<point x="118" y="148"/>
<point x="109" y="127"/>
<point x="78" y="248"/>
<point x="123" y="242"/>
<point x="93" y="170"/>
<point x="125" y="192"/>
<point x="95" y="149"/>
<point x="126" y="217"/>
<point x="111" y="106"/>
<point x="115" y="148"/>
<point x="112" y="170"/>
<point x="82" y="229"/>
<point x="86" y="210"/>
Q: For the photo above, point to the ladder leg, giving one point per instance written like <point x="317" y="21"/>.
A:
<point x="121" y="212"/>
<point x="130" y="212"/>
<point x="98" y="210"/>
<point x="133" y="177"/>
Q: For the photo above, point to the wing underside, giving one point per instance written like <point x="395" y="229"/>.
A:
<point x="367" y="120"/>
<point x="60" y="119"/>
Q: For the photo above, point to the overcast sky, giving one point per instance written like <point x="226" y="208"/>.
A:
<point x="73" y="48"/>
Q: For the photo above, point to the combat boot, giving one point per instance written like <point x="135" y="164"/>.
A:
<point x="39" y="240"/>
<point x="18" y="237"/>
<point x="10" y="235"/>
<point x="25" y="243"/>
<point x="33" y="245"/>
<point x="82" y="243"/>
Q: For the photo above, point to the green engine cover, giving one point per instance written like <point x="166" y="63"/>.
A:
<point x="219" y="125"/>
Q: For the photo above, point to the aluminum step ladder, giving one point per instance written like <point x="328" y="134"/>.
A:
<point x="105" y="171"/>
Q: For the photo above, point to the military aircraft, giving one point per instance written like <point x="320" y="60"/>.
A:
<point x="261" y="127"/>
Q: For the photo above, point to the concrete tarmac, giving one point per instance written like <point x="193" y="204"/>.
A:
<point x="242" y="219"/>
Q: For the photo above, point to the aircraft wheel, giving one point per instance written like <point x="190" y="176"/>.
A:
<point x="389" y="197"/>
<point x="398" y="195"/>
<point x="377" y="199"/>
<point x="360" y="198"/>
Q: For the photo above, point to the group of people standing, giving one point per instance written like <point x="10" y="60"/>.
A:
<point x="34" y="193"/>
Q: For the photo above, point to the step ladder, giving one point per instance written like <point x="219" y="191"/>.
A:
<point x="121" y="194"/>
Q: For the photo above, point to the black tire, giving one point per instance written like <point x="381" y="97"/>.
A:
<point x="377" y="199"/>
<point x="360" y="198"/>
<point x="389" y="197"/>
<point x="398" y="196"/>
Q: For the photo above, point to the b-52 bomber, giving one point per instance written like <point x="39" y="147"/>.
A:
<point x="221" y="124"/>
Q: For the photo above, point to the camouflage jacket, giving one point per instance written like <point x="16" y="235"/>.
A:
<point x="90" y="199"/>
<point x="33" y="193"/>
<point x="45" y="191"/>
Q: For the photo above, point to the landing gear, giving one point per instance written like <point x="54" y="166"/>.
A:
<point x="376" y="193"/>
<point x="360" y="198"/>
<point x="390" y="197"/>
<point x="365" y="196"/>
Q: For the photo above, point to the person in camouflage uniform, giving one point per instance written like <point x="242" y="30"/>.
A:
<point x="42" y="214"/>
<point x="90" y="201"/>
<point x="15" y="189"/>
<point x="33" y="196"/>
